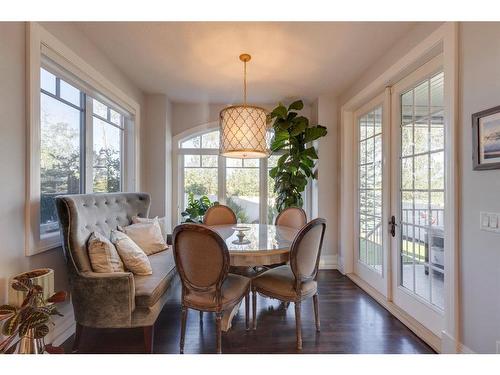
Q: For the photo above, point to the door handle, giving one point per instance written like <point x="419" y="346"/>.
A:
<point x="393" y="225"/>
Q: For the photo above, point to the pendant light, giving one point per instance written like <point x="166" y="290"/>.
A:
<point x="243" y="128"/>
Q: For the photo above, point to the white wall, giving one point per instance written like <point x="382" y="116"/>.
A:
<point x="480" y="251"/>
<point x="157" y="154"/>
<point x="13" y="143"/>
<point x="328" y="183"/>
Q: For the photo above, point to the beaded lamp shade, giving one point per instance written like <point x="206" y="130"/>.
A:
<point x="243" y="128"/>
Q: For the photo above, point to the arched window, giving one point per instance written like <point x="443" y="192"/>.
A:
<point x="242" y="184"/>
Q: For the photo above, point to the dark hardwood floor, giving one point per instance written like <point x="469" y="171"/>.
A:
<point x="351" y="322"/>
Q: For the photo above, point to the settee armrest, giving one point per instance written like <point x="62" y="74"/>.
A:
<point x="103" y="300"/>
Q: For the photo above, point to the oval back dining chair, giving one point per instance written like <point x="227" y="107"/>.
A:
<point x="297" y="281"/>
<point x="293" y="217"/>
<point x="202" y="261"/>
<point x="219" y="215"/>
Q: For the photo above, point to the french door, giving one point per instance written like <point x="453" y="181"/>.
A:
<point x="373" y="131"/>
<point x="400" y="208"/>
<point x="418" y="194"/>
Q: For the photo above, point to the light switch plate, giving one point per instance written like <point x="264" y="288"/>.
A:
<point x="490" y="221"/>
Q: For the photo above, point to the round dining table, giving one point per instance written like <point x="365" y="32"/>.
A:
<point x="262" y="245"/>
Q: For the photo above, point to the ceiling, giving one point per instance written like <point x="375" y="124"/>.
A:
<point x="198" y="61"/>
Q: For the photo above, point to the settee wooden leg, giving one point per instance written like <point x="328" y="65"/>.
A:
<point x="183" y="328"/>
<point x="148" y="338"/>
<point x="78" y="337"/>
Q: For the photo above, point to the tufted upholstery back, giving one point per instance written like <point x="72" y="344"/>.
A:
<point x="82" y="214"/>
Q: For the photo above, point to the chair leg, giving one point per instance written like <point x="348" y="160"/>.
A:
<point x="218" y="323"/>
<point x="316" y="312"/>
<point x="183" y="328"/>
<point x="201" y="317"/>
<point x="298" y="326"/>
<point x="247" y="311"/>
<point x="148" y="338"/>
<point x="254" y="308"/>
<point x="78" y="337"/>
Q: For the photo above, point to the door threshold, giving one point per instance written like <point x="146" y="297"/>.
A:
<point x="425" y="334"/>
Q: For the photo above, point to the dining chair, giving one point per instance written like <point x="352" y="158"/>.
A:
<point x="294" y="217"/>
<point x="219" y="215"/>
<point x="202" y="261"/>
<point x="297" y="281"/>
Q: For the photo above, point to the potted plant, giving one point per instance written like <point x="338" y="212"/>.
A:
<point x="196" y="209"/>
<point x="29" y="322"/>
<point x="293" y="136"/>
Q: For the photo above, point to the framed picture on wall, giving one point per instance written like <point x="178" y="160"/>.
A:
<point x="486" y="138"/>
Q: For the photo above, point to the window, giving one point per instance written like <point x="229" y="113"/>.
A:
<point x="242" y="184"/>
<point x="64" y="134"/>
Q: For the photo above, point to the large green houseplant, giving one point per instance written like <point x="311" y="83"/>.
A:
<point x="293" y="136"/>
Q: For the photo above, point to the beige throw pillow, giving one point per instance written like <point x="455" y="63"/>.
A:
<point x="103" y="255"/>
<point x="147" y="235"/>
<point x="135" y="260"/>
<point x="161" y="220"/>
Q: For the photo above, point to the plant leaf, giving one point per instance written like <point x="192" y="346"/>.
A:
<point x="58" y="297"/>
<point x="310" y="152"/>
<point x="313" y="133"/>
<point x="10" y="325"/>
<point x="279" y="112"/>
<point x="41" y="331"/>
<point x="297" y="105"/>
<point x="7" y="310"/>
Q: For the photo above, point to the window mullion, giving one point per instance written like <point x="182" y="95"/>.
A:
<point x="89" y="145"/>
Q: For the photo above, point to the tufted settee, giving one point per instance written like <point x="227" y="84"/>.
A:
<point x="119" y="299"/>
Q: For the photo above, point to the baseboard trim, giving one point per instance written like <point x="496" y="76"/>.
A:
<point x="417" y="328"/>
<point x="63" y="329"/>
<point x="328" y="262"/>
<point x="451" y="346"/>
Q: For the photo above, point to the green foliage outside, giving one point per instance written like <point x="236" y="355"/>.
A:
<point x="196" y="209"/>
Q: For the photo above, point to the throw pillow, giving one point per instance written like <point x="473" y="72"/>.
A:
<point x="161" y="220"/>
<point x="103" y="255"/>
<point x="135" y="260"/>
<point x="147" y="235"/>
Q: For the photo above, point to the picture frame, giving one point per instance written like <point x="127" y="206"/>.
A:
<point x="486" y="139"/>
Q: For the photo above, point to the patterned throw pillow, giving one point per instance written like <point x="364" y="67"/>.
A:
<point x="103" y="255"/>
<point x="135" y="260"/>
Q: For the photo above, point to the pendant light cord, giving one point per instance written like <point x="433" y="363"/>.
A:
<point x="245" y="83"/>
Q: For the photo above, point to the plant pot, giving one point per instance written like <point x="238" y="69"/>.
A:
<point x="42" y="276"/>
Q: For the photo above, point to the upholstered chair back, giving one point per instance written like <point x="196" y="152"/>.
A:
<point x="306" y="250"/>
<point x="201" y="257"/>
<point x="219" y="215"/>
<point x="293" y="217"/>
<point x="82" y="214"/>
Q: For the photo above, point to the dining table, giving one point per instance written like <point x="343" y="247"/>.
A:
<point x="254" y="246"/>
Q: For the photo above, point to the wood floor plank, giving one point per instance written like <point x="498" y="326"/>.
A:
<point x="351" y="322"/>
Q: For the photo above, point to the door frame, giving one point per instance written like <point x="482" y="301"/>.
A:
<point x="443" y="40"/>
